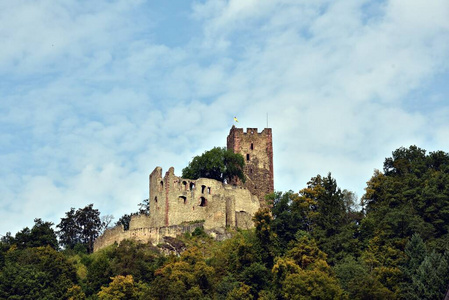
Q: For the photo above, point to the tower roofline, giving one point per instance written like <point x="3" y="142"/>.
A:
<point x="250" y="130"/>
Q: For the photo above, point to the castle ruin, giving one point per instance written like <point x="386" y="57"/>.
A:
<point x="179" y="205"/>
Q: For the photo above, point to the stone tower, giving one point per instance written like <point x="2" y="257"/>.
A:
<point x="257" y="150"/>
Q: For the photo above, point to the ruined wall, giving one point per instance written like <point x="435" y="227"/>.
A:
<point x="179" y="205"/>
<point x="257" y="150"/>
<point x="175" y="200"/>
<point x="155" y="235"/>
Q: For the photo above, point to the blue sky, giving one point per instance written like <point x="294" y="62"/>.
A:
<point x="95" y="94"/>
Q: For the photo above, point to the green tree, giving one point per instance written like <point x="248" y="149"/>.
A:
<point x="138" y="260"/>
<point x="357" y="280"/>
<point x="218" y="163"/>
<point x="267" y="239"/>
<point x="40" y="235"/>
<point x="82" y="226"/>
<point x="69" y="231"/>
<point x="121" y="287"/>
<point x="36" y="273"/>
<point x="99" y="273"/>
<point x="124" y="221"/>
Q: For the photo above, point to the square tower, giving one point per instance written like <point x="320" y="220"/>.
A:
<point x="257" y="150"/>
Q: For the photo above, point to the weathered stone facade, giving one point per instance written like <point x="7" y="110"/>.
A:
<point x="179" y="205"/>
<point x="257" y="149"/>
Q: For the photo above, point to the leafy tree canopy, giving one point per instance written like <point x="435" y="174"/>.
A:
<point x="81" y="226"/>
<point x="218" y="163"/>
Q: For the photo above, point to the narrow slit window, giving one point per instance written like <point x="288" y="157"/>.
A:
<point x="252" y="146"/>
<point x="203" y="187"/>
<point x="247" y="157"/>
<point x="208" y="190"/>
<point x="155" y="199"/>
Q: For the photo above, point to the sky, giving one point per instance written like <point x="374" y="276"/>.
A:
<point x="95" y="94"/>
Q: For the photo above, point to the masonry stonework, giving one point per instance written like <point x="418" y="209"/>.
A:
<point x="257" y="150"/>
<point x="179" y="205"/>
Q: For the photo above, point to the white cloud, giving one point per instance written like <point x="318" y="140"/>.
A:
<point x="91" y="103"/>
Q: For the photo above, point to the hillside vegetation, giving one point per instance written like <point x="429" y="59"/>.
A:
<point x="318" y="243"/>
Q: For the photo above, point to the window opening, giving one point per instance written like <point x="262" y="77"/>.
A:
<point x="185" y="185"/>
<point x="203" y="201"/>
<point x="247" y="157"/>
<point x="192" y="186"/>
<point x="208" y="190"/>
<point x="183" y="199"/>
<point x="203" y="187"/>
<point x="161" y="186"/>
<point x="155" y="199"/>
<point x="252" y="146"/>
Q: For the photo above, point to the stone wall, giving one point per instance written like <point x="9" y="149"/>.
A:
<point x="179" y="205"/>
<point x="174" y="200"/>
<point x="155" y="235"/>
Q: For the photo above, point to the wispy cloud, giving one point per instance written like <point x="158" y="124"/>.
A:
<point x="94" y="95"/>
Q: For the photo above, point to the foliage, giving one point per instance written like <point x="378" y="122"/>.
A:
<point x="124" y="221"/>
<point x="121" y="287"/>
<point x="36" y="273"/>
<point x="313" y="244"/>
<point x="218" y="163"/>
<point x="82" y="226"/>
<point x="40" y="235"/>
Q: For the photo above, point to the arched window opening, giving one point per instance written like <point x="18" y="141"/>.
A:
<point x="183" y="199"/>
<point x="184" y="183"/>
<point x="192" y="186"/>
<point x="203" y="201"/>
<point x="203" y="187"/>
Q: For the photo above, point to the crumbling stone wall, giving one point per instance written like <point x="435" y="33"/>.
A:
<point x="179" y="205"/>
<point x="175" y="200"/>
<point x="155" y="235"/>
<point x="257" y="150"/>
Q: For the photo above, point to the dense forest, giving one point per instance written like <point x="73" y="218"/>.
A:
<point x="317" y="243"/>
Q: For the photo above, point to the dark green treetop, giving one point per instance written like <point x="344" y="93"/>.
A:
<point x="218" y="163"/>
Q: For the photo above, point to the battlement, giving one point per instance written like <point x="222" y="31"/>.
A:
<point x="249" y="131"/>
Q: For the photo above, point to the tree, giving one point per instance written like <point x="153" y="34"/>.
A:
<point x="40" y="235"/>
<point x="36" y="273"/>
<point x="124" y="221"/>
<point x="121" y="287"/>
<point x="69" y="230"/>
<point x="218" y="163"/>
<point x="410" y="196"/>
<point x="144" y="207"/>
<point x="82" y="226"/>
<point x="267" y="238"/>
